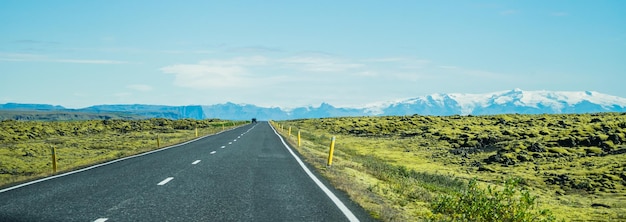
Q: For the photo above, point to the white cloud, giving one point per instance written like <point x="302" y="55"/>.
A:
<point x="204" y="76"/>
<point x="403" y="62"/>
<point x="244" y="71"/>
<point x="140" y="87"/>
<point x="367" y="74"/>
<point x="216" y="73"/>
<point x="319" y="64"/>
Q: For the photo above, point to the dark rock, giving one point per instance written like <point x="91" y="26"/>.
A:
<point x="615" y="138"/>
<point x="567" y="142"/>
<point x="485" y="169"/>
<point x="595" y="120"/>
<point x="499" y="158"/>
<point x="524" y="158"/>
<point x="600" y="205"/>
<point x="620" y="151"/>
<point x="476" y="164"/>
<point x="536" y="147"/>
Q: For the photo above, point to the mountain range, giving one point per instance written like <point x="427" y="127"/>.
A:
<point x="502" y="102"/>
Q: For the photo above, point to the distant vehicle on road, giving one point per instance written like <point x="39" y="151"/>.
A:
<point x="253" y="120"/>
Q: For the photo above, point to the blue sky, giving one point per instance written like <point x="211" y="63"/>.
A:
<point x="294" y="53"/>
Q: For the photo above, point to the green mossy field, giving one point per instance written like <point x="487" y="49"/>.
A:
<point x="572" y="166"/>
<point x="26" y="146"/>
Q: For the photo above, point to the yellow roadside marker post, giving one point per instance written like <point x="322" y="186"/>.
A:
<point x="54" y="160"/>
<point x="222" y="126"/>
<point x="330" y="152"/>
<point x="298" y="138"/>
<point x="158" y="141"/>
<point x="196" y="131"/>
<point x="289" y="134"/>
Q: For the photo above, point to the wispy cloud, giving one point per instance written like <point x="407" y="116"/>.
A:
<point x="186" y="52"/>
<point x="254" y="50"/>
<point x="122" y="94"/>
<point x="32" y="41"/>
<point x="87" y="61"/>
<point x="367" y="74"/>
<point x="509" y="12"/>
<point x="21" y="57"/>
<point x="140" y="87"/>
<point x="319" y="64"/>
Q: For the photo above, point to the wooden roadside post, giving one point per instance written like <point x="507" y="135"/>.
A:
<point x="330" y="152"/>
<point x="54" y="159"/>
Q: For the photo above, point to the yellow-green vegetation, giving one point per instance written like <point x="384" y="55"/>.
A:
<point x="574" y="165"/>
<point x="477" y="204"/>
<point x="25" y="146"/>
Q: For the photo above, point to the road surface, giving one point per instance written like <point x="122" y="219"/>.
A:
<point x="244" y="174"/>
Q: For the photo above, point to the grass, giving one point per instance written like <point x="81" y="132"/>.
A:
<point x="25" y="146"/>
<point x="396" y="167"/>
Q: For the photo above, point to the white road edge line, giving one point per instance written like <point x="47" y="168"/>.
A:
<point x="101" y="220"/>
<point x="110" y="162"/>
<point x="319" y="183"/>
<point x="195" y="162"/>
<point x="165" y="181"/>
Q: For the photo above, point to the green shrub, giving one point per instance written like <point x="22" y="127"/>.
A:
<point x="476" y="204"/>
<point x="594" y="150"/>
<point x="557" y="150"/>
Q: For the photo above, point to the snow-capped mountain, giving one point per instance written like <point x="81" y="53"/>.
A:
<point x="512" y="101"/>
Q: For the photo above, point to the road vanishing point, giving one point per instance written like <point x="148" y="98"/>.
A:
<point x="245" y="174"/>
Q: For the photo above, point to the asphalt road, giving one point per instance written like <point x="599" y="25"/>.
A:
<point x="244" y="174"/>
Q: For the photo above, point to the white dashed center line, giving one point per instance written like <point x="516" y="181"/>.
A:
<point x="101" y="220"/>
<point x="235" y="140"/>
<point x="223" y="147"/>
<point x="165" y="181"/>
<point x="195" y="162"/>
<point x="230" y="142"/>
<point x="213" y="152"/>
